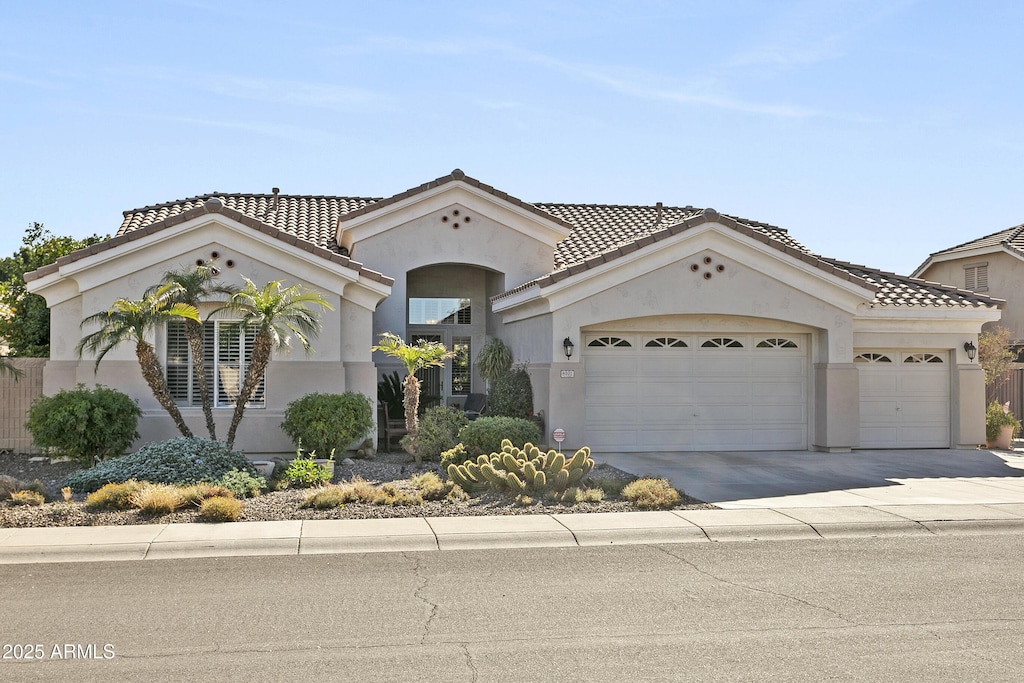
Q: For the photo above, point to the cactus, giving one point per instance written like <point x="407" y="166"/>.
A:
<point x="521" y="470"/>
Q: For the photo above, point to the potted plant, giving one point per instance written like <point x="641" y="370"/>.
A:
<point x="1000" y="425"/>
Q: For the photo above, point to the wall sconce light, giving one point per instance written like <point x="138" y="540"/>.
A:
<point x="971" y="350"/>
<point x="568" y="346"/>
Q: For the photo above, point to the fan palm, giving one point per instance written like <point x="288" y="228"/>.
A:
<point x="192" y="287"/>
<point x="132" y="320"/>
<point x="274" y="314"/>
<point x="415" y="357"/>
<point x="7" y="368"/>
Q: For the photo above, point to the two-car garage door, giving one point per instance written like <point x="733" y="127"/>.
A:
<point x="680" y="392"/>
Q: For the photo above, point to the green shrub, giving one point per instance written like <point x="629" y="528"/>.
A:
<point x="241" y="483"/>
<point x="454" y="456"/>
<point x="85" y="425"/>
<point x="27" y="497"/>
<point x="220" y="509"/>
<point x="114" y="496"/>
<point x="302" y="471"/>
<point x="484" y="434"/>
<point x="439" y="430"/>
<point x="177" y="461"/>
<point x="997" y="416"/>
<point x="651" y="494"/>
<point x="157" y="499"/>
<point x="511" y="394"/>
<point x="328" y="422"/>
<point x="609" y="485"/>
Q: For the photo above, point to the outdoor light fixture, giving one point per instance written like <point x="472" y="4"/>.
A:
<point x="971" y="350"/>
<point x="568" y="346"/>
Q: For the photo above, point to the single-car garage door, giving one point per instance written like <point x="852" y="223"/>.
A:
<point x="904" y="399"/>
<point x="685" y="392"/>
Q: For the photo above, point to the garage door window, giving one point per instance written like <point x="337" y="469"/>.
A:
<point x="608" y="341"/>
<point x="665" y="343"/>
<point x="722" y="343"/>
<point x="872" y="358"/>
<point x="922" y="358"/>
<point x="776" y="343"/>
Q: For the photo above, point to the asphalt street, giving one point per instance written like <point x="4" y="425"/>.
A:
<point x="947" y="607"/>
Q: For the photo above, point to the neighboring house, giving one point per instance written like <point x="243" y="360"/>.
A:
<point x="992" y="265"/>
<point x="691" y="330"/>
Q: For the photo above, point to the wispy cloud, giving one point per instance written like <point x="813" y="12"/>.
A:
<point x="298" y="93"/>
<point x="273" y="130"/>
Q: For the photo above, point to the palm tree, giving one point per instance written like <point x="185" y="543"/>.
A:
<point x="132" y="320"/>
<point x="415" y="357"/>
<point x="7" y="368"/>
<point x="192" y="288"/>
<point x="274" y="314"/>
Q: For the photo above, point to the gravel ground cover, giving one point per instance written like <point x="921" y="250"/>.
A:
<point x="283" y="505"/>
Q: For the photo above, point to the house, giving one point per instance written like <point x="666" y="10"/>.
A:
<point x="992" y="265"/>
<point x="646" y="328"/>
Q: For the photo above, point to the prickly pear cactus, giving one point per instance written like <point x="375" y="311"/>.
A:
<point x="518" y="471"/>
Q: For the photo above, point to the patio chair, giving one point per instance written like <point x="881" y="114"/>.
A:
<point x="392" y="428"/>
<point x="475" y="405"/>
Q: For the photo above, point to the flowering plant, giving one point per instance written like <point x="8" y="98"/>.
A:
<point x="998" y="416"/>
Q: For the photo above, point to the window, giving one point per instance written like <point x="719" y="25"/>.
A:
<point x="608" y="341"/>
<point x="872" y="358"/>
<point x="776" y="343"/>
<point x="976" y="277"/>
<point x="437" y="311"/>
<point x="226" y="353"/>
<point x="722" y="343"/>
<point x="461" y="368"/>
<point x="665" y="343"/>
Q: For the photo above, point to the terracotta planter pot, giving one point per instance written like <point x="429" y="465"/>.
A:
<point x="1004" y="440"/>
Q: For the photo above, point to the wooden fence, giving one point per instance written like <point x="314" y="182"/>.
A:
<point x="16" y="397"/>
<point x="1011" y="390"/>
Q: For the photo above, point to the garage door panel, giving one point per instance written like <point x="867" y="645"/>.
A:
<point x="878" y="437"/>
<point x="612" y="439"/>
<point x="724" y="391"/>
<point x="611" y="366"/>
<point x="931" y="383"/>
<point x="794" y="414"/>
<point x="871" y="411"/>
<point x="778" y="366"/>
<point x="661" y="414"/>
<point x="722" y="366"/>
<point x="665" y="367"/>
<point x="878" y="383"/>
<point x="764" y="391"/>
<point x="668" y="392"/>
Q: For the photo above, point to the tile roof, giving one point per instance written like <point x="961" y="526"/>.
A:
<point x="308" y="217"/>
<point x="165" y="217"/>
<point x="1011" y="237"/>
<point x="600" y="233"/>
<point x="902" y="290"/>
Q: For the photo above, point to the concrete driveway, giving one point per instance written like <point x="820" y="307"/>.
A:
<point x="790" y="479"/>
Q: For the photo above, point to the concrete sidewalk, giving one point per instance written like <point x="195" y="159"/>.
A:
<point x="175" y="541"/>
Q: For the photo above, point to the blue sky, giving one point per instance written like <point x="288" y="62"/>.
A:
<point x="876" y="132"/>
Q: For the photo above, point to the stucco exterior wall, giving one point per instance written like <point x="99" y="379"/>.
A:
<point x="1005" y="280"/>
<point x="341" y="360"/>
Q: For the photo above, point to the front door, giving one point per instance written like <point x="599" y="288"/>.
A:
<point x="450" y="383"/>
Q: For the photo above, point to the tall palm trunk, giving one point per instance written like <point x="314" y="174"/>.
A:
<point x="261" y="348"/>
<point x="411" y="401"/>
<point x="154" y="376"/>
<point x="194" y="334"/>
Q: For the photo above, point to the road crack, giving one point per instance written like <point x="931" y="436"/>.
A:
<point x="420" y="595"/>
<point x="754" y="589"/>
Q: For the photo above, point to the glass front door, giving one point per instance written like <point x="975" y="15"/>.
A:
<point x="438" y="385"/>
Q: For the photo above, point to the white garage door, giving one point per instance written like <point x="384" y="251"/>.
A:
<point x="904" y="399"/>
<point x="685" y="392"/>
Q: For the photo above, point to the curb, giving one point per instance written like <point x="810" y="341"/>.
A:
<point x="426" y="534"/>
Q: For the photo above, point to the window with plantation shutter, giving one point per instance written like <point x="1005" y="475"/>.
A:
<point x="226" y="354"/>
<point x="976" y="277"/>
